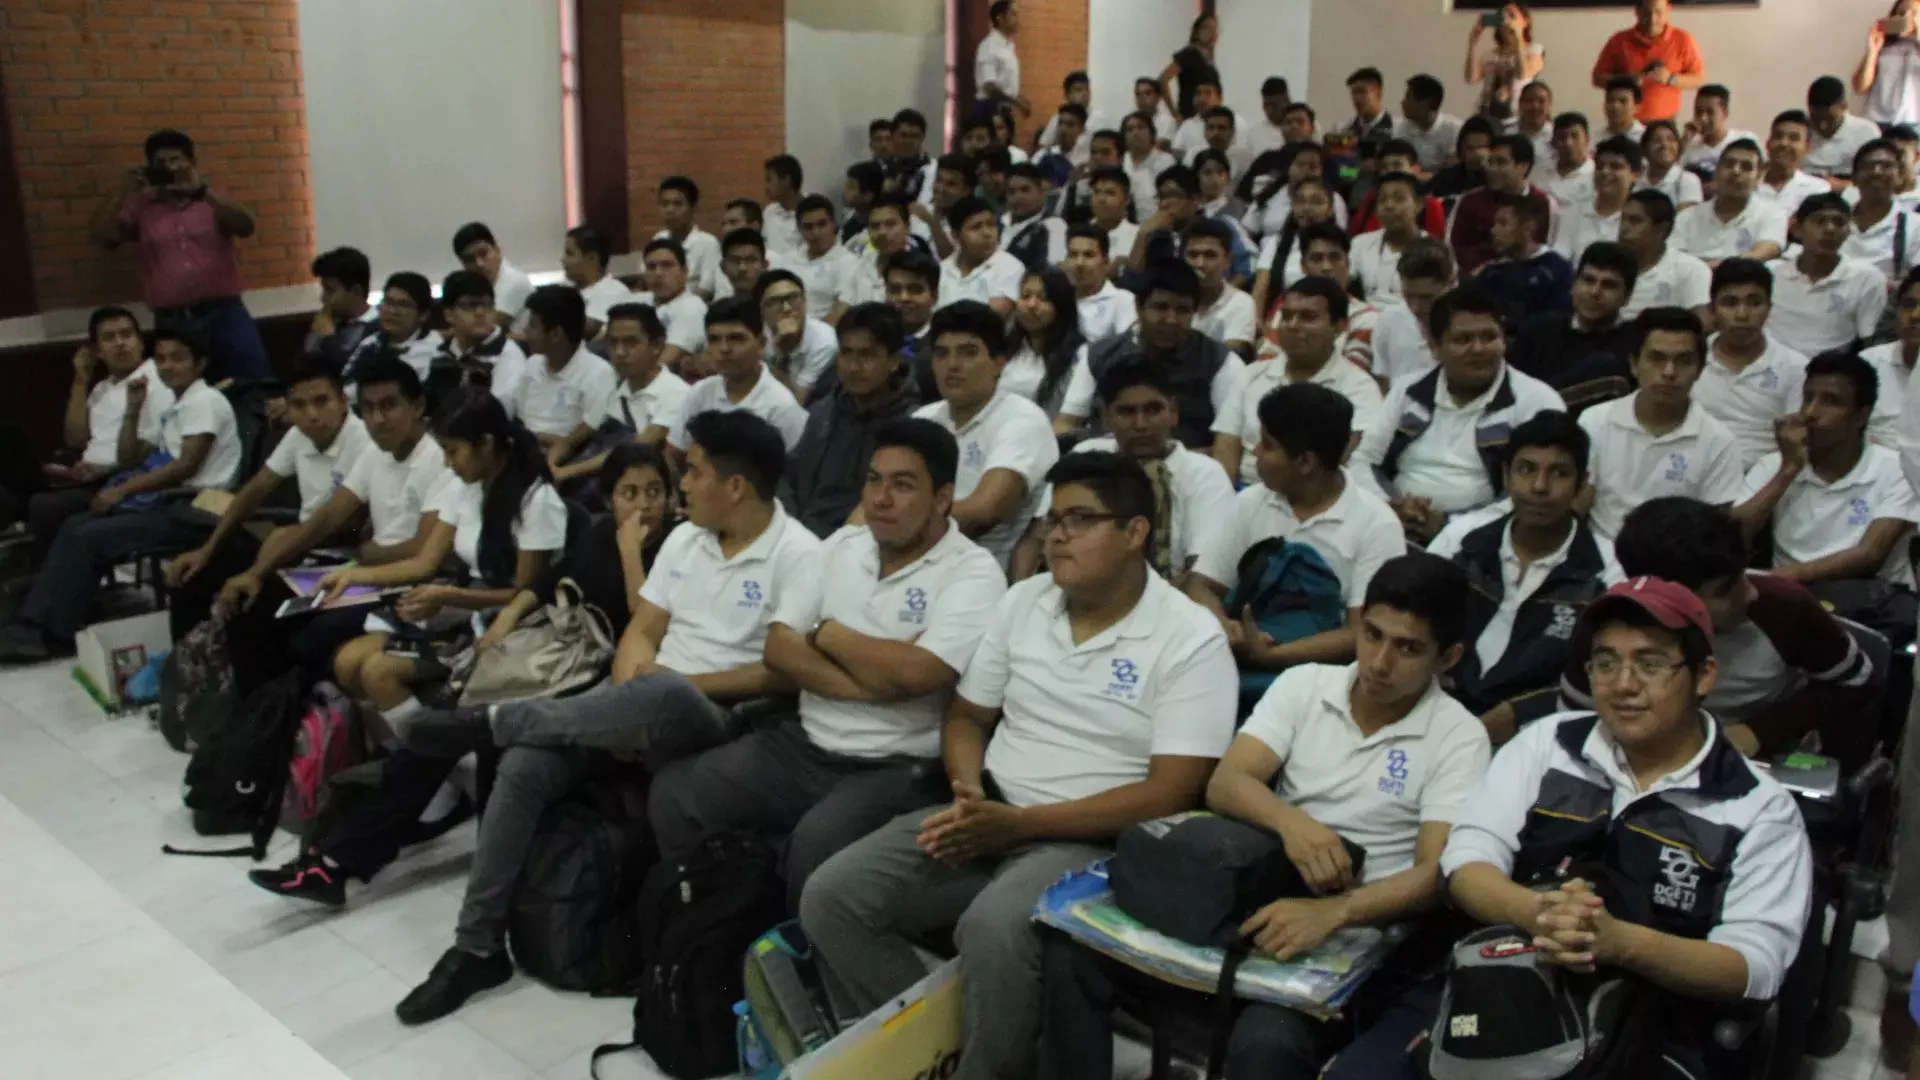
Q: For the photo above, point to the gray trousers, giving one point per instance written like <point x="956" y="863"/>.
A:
<point x="777" y="781"/>
<point x="865" y="908"/>
<point x="659" y="716"/>
<point x="1903" y="899"/>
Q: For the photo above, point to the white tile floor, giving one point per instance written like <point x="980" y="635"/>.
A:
<point x="118" y="962"/>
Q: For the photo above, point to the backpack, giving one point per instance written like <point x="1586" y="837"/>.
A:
<point x="1293" y="594"/>
<point x="196" y="686"/>
<point x="697" y="916"/>
<point x="787" y="1010"/>
<point x="327" y="741"/>
<point x="574" y="920"/>
<point x="235" y="778"/>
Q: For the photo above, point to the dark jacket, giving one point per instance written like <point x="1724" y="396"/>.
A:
<point x="593" y="563"/>
<point x="1541" y="282"/>
<point x="1191" y="371"/>
<point x="1473" y="225"/>
<point x="1587" y="367"/>
<point x="828" y="466"/>
<point x="1528" y="674"/>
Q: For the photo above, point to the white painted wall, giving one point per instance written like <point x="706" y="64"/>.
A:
<point x="1258" y="39"/>
<point x="424" y="115"/>
<point x="1129" y="39"/>
<point x="850" y="61"/>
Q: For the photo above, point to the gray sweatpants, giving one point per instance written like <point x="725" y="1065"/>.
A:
<point x="659" y="716"/>
<point x="867" y="905"/>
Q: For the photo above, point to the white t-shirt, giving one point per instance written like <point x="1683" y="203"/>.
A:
<point x="684" y="317"/>
<point x="1400" y="348"/>
<point x="1376" y="265"/>
<point x="1081" y="389"/>
<point x="1875" y="244"/>
<point x="819" y="347"/>
<point x="511" y="289"/>
<point x="1355" y="536"/>
<point x="1706" y="156"/>
<point x="554" y="403"/>
<point x="1241" y="416"/>
<point x="200" y="410"/>
<point x="1681" y="186"/>
<point x="1202" y="497"/>
<point x="318" y="472"/>
<point x="1788" y="196"/>
<point x="703" y="258"/>
<point x="996" y="62"/>
<point x="1436" y="144"/>
<point x="107" y="407"/>
<point x="1890" y="363"/>
<point x="718" y="609"/>
<point x="1077" y="720"/>
<point x="1026" y="370"/>
<point x="828" y="279"/>
<point x="1627" y="466"/>
<point x="940" y="603"/>
<point x="1120" y="241"/>
<point x="1812" y="317"/>
<point x="541" y="524"/>
<point x="1229" y="318"/>
<point x="1110" y="311"/>
<point x="602" y="295"/>
<point x="659" y="402"/>
<point x="1815" y="519"/>
<point x="1677" y="280"/>
<point x="1581" y="227"/>
<point x="1568" y="189"/>
<point x="1834" y="157"/>
<point x="1141" y="177"/>
<point x="1894" y="97"/>
<point x="1699" y="232"/>
<point x="1374" y="790"/>
<point x="397" y="492"/>
<point x="1749" y="401"/>
<point x="768" y="400"/>
<point x="1444" y="463"/>
<point x="1010" y="433"/>
<point x="998" y="278"/>
<point x="781" y="228"/>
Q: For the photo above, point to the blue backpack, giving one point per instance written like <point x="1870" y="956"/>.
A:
<point x="1293" y="594"/>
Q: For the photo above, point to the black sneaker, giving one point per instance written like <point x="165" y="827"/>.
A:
<point x="24" y="643"/>
<point x="452" y="733"/>
<point x="457" y="976"/>
<point x="305" y="878"/>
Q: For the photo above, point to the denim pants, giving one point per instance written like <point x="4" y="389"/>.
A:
<point x="229" y="334"/>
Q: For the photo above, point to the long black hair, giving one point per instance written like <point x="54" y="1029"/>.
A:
<point x="1282" y="173"/>
<point x="1064" y="338"/>
<point x="478" y="417"/>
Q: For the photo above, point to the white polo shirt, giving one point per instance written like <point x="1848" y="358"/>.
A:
<point x="1627" y="466"/>
<point x="1699" y="232"/>
<point x="1706" y="156"/>
<point x="318" y="472"/>
<point x="768" y="400"/>
<point x="1444" y="463"/>
<point x="703" y="258"/>
<point x="940" y="603"/>
<point x="1875" y="244"/>
<point x="1815" y="519"/>
<point x="1583" y="226"/>
<point x="602" y="295"/>
<point x="1374" y="790"/>
<point x="718" y="608"/>
<point x="200" y="410"/>
<point x="541" y="524"/>
<point x="1813" y="316"/>
<point x="1568" y="189"/>
<point x="819" y="347"/>
<point x="1798" y="188"/>
<point x="1680" y="185"/>
<point x="1355" y="536"/>
<point x="1077" y="720"/>
<point x="1010" y="433"/>
<point x="1122" y="237"/>
<point x="511" y="289"/>
<point x="1400" y="347"/>
<point x="1026" y="370"/>
<point x="1141" y="177"/>
<point x="864" y="284"/>
<point x="781" y="228"/>
<point x="555" y="402"/>
<point x="1750" y="400"/>
<point x="1376" y="265"/>
<point x="996" y="62"/>
<point x="1110" y="311"/>
<point x="1240" y="417"/>
<point x="1834" y="156"/>
<point x="828" y="278"/>
<point x="1229" y="318"/>
<point x="996" y="279"/>
<point x="1890" y="363"/>
<point x="684" y="317"/>
<point x="1436" y="143"/>
<point x="397" y="492"/>
<point x="107" y="407"/>
<point x="1202" y="497"/>
<point x="659" y="402"/>
<point x="1677" y="280"/>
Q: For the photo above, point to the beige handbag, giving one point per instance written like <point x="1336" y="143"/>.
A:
<point x="555" y="652"/>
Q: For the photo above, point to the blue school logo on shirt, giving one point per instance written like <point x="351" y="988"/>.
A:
<point x="751" y="590"/>
<point x="975" y="456"/>
<point x="1769" y="380"/>
<point x="1394" y="780"/>
<point x="1126" y="681"/>
<point x="1859" y="513"/>
<point x="1676" y="468"/>
<point x="916" y="611"/>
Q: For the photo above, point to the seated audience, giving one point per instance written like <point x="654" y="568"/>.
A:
<point x="1400" y="343"/>
<point x="1470" y="229"/>
<point x="404" y="327"/>
<point x="645" y="402"/>
<point x="888" y="235"/>
<point x="1616" y="166"/>
<point x="1622" y="101"/>
<point x="744" y="258"/>
<point x="785" y="184"/>
<point x="479" y="253"/>
<point x="1439" y="446"/>
<point x="1522" y="274"/>
<point x="1046" y="328"/>
<point x="1668" y="277"/>
<point x="345" y="325"/>
<point x="823" y="265"/>
<point x="1328" y="254"/>
<point x="1821" y="298"/>
<point x="1893" y="362"/>
<point x="800" y="347"/>
<point x="909" y="170"/>
<point x="741" y="381"/>
<point x="1109" y="193"/>
<point x="1221" y="312"/>
<point x="1661" y="147"/>
<point x="678" y="199"/>
<point x="1782" y="183"/>
<point x="680" y="311"/>
<point x="1570" y="179"/>
<point x="1837" y="135"/>
<point x="1105" y="308"/>
<point x="1305" y="766"/>
<point x="1397" y="156"/>
<point x="1283" y="254"/>
<point x="1752" y="378"/>
<point x="913" y="290"/>
<point x="865" y="182"/>
<point x="1027" y="232"/>
<point x="567" y="387"/>
<point x="1584" y="355"/>
<point x="1163" y="235"/>
<point x="1884" y="232"/>
<point x="584" y="260"/>
<point x="1709" y="136"/>
<point x="1098" y="698"/>
<point x="1376" y="254"/>
<point x="978" y="269"/>
<point x="1371" y="122"/>
<point x="1433" y="133"/>
<point x="477" y="351"/>
<point x="1190" y="137"/>
<point x="1534" y="119"/>
<point x="1467" y="169"/>
<point x="870" y="388"/>
<point x="1736" y="222"/>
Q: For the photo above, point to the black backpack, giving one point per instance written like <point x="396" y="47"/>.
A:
<point x="697" y="916"/>
<point x="237" y="773"/>
<point x="574" y="921"/>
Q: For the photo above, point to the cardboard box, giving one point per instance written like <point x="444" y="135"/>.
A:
<point x="107" y="654"/>
<point x="917" y="1036"/>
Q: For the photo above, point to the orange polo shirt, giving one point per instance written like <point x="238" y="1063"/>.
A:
<point x="1630" y="52"/>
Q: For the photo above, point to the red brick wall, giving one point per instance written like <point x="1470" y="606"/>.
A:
<point x="86" y="80"/>
<point x="706" y="97"/>
<point x="1052" y="45"/>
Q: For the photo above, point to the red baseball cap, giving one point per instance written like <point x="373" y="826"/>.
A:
<point x="1672" y="606"/>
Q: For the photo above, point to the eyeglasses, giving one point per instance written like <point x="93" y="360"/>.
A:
<point x="1073" y="523"/>
<point x="786" y="301"/>
<point x="1648" y="669"/>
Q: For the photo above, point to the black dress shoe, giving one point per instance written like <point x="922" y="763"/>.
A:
<point x="452" y="733"/>
<point x="457" y="976"/>
<point x="24" y="643"/>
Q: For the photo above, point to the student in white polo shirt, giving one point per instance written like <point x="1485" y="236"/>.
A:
<point x="1894" y="362"/>
<point x="1839" y="505"/>
<point x="681" y="312"/>
<point x="1752" y="378"/>
<point x="736" y="349"/>
<point x="1372" y="754"/>
<point x="1304" y="497"/>
<point x="1221" y="311"/>
<point x="645" y="402"/>
<point x="1657" y="441"/>
<point x="478" y="351"/>
<point x="1006" y="442"/>
<point x="479" y="252"/>
<point x="1438" y="445"/>
<point x="1735" y="223"/>
<point x="1782" y="182"/>
<point x="1837" y="134"/>
<point x="678" y="199"/>
<point x="824" y="266"/>
<point x="800" y="348"/>
<point x="696" y="638"/>
<point x="1617" y="164"/>
<point x="978" y="269"/>
<point x="1099" y="697"/>
<point x="584" y="259"/>
<point x="875" y="634"/>
<point x="1821" y="298"/>
<point x="1668" y="276"/>
<point x="566" y="385"/>
<point x="1312" y="319"/>
<point x="1885" y="232"/>
<point x="1105" y="308"/>
<point x="1401" y="346"/>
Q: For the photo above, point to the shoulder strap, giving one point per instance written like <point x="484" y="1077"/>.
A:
<point x="1223" y="1009"/>
<point x="1899" y="244"/>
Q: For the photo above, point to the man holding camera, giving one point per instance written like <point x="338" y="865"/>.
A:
<point x="189" y="272"/>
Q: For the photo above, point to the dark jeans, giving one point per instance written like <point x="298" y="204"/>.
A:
<point x="227" y="329"/>
<point x="316" y="638"/>
<point x="86" y="547"/>
<point x="189" y="605"/>
<point x="49" y="510"/>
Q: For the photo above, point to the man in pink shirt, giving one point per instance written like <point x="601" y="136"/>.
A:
<point x="1662" y="56"/>
<point x="189" y="272"/>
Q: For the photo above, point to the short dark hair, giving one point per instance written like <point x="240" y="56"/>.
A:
<point x="1206" y="77"/>
<point x="774" y="277"/>
<point x="168" y="139"/>
<point x="1210" y="156"/>
<point x="1143" y="116"/>
<point x="1203" y="227"/>
<point x="1089" y="231"/>
<point x="957" y="163"/>
<point x="1552" y="428"/>
<point x="1623" y="148"/>
<point x="973" y="318"/>
<point x="812" y="204"/>
<point x="1742" y="271"/>
<point x="1326" y="289"/>
<point x="1075" y="78"/>
<point x="1147" y="81"/>
<point x="1826" y="92"/>
<point x="593" y="240"/>
<point x="915" y="262"/>
<point x="1520" y="203"/>
<point x="999" y="11"/>
<point x="684" y="185"/>
<point x="868" y="176"/>
<point x="348" y="266"/>
<point x="1186" y="178"/>
<point x="1683" y="540"/>
<point x="786" y="167"/>
<point x="1717" y="92"/>
<point x="1307" y="418"/>
<point x="186" y="339"/>
<point x="1475" y="125"/>
<point x="1629" y="83"/>
<point x="1912" y="279"/>
<point x="562" y="308"/>
<point x="1411" y="181"/>
<point x="1669" y="320"/>
<point x="1900" y="133"/>
<point x="310" y="368"/>
<point x="1075" y="110"/>
<point x="1849" y="365"/>
<point x="1795" y="117"/>
<point x="878" y="125"/>
<point x="1614" y="259"/>
<point x="1221" y="112"/>
<point x="968" y="206"/>
<point x="1110" y="174"/>
<point x="632" y="455"/>
<point x="1822" y="202"/>
<point x="1027" y="170"/>
<point x="1325" y="232"/>
<point x="669" y="245"/>
<point x="1745" y="146"/>
<point x="1399" y="148"/>
<point x="462" y="284"/>
<point x="1427" y="259"/>
<point x="1274" y="84"/>
<point x="910" y="118"/>
<point x="1118" y="482"/>
<point x="750" y="207"/>
<point x="1130" y="373"/>
<point x="1367" y="75"/>
<point x="937" y="447"/>
<point x="1300" y="106"/>
<point x="1659" y="207"/>
<point x="877" y="319"/>
<point x="1881" y="145"/>
<point x="649" y="319"/>
<point x="1568" y="120"/>
<point x="744" y="238"/>
<point x="892" y="200"/>
<point x="1427" y="90"/>
<point x="735" y="309"/>
<point x="1428" y="587"/>
<point x="1465" y="300"/>
<point x="1519" y="147"/>
<point x="738" y="443"/>
<point x="416" y="286"/>
<point x="471" y="233"/>
<point x="388" y="369"/>
<point x="1170" y="276"/>
<point x="103" y="315"/>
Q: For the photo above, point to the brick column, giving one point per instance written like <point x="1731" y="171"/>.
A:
<point x="1052" y="45"/>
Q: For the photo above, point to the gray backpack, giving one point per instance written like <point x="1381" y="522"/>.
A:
<point x="1505" y="1016"/>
